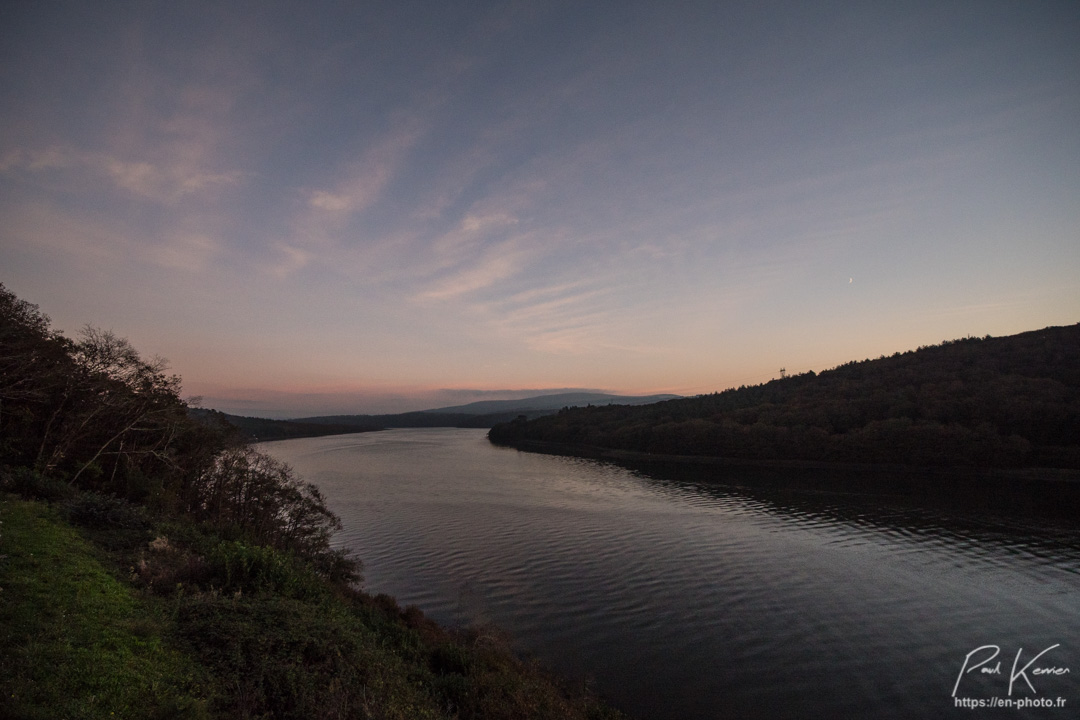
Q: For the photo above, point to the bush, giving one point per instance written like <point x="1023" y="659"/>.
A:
<point x="289" y="659"/>
<point x="32" y="484"/>
<point x="94" y="510"/>
<point x="165" y="567"/>
<point x="250" y="495"/>
<point x="239" y="568"/>
<point x="111" y="521"/>
<point x="339" y="567"/>
<point x="262" y="497"/>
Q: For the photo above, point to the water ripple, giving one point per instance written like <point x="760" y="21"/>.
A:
<point x="687" y="599"/>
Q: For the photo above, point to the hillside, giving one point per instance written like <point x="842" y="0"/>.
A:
<point x="1007" y="402"/>
<point x="154" y="565"/>
<point x="263" y="429"/>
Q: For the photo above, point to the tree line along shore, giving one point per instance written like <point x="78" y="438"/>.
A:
<point x="974" y="403"/>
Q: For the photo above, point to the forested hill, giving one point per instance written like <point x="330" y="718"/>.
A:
<point x="262" y="429"/>
<point x="983" y="402"/>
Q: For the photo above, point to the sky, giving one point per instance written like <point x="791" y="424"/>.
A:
<point x="349" y="207"/>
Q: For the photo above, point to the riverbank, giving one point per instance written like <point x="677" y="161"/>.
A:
<point x="631" y="456"/>
<point x="1050" y="493"/>
<point x="107" y="613"/>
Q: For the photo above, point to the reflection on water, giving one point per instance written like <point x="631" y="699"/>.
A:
<point x="691" y="599"/>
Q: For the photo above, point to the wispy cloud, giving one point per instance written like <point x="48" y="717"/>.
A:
<point x="496" y="263"/>
<point x="42" y="228"/>
<point x="586" y="340"/>
<point x="287" y="259"/>
<point x="367" y="176"/>
<point x="188" y="252"/>
<point x="473" y="223"/>
<point x="323" y="227"/>
<point x="551" y="306"/>
<point x="568" y="318"/>
<point x="156" y="181"/>
<point x="109" y="243"/>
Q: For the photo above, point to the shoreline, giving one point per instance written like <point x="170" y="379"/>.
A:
<point x="1029" y="493"/>
<point x="1053" y="475"/>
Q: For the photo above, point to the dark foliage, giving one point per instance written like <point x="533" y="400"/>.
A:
<point x="111" y="521"/>
<point x="94" y="510"/>
<point x="32" y="484"/>
<point x="991" y="402"/>
<point x="230" y="550"/>
<point x="261" y="429"/>
<point x="236" y="567"/>
<point x="96" y="417"/>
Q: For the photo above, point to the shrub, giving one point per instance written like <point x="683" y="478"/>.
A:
<point x="111" y="521"/>
<point x="289" y="659"/>
<point x="94" y="510"/>
<point x="32" y="484"/>
<point x="251" y="495"/>
<point x="239" y="568"/>
<point x="164" y="567"/>
<point x="261" y="496"/>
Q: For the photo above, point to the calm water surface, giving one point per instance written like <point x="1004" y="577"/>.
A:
<point x="690" y="599"/>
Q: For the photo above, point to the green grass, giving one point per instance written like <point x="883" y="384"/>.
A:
<point x="76" y="642"/>
<point x="96" y="622"/>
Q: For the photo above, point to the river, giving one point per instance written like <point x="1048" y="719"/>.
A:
<point x="694" y="598"/>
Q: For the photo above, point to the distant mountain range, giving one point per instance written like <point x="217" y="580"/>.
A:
<point x="543" y="403"/>
<point x="482" y="414"/>
<point x="487" y="413"/>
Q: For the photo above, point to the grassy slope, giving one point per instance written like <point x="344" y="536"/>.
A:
<point x="77" y="643"/>
<point x="96" y="623"/>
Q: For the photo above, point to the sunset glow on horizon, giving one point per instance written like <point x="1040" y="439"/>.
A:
<point x="324" y="209"/>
